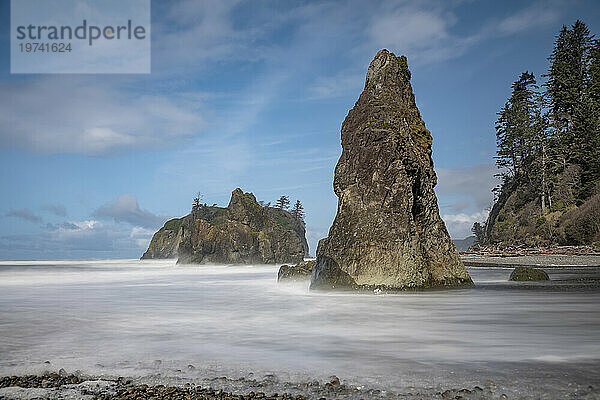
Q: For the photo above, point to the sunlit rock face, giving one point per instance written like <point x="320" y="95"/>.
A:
<point x="387" y="231"/>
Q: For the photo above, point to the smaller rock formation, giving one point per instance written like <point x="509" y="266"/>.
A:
<point x="243" y="233"/>
<point x="526" y="274"/>
<point x="387" y="232"/>
<point x="299" y="272"/>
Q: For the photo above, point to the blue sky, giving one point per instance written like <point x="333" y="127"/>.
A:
<point x="252" y="94"/>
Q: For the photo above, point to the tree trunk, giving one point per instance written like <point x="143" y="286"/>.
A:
<point x="544" y="178"/>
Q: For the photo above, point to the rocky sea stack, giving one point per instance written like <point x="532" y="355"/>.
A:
<point x="243" y="233"/>
<point x="387" y="232"/>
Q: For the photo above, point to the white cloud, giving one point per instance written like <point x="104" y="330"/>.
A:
<point x="76" y="239"/>
<point x="424" y="31"/>
<point x="539" y="14"/>
<point x="126" y="209"/>
<point x="60" y="115"/>
<point x="88" y="235"/>
<point x="312" y="237"/>
<point x="474" y="183"/>
<point x="459" y="225"/>
<point x="78" y="232"/>
<point x="465" y="194"/>
<point x="141" y="236"/>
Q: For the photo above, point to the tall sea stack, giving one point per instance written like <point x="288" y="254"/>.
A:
<point x="387" y="232"/>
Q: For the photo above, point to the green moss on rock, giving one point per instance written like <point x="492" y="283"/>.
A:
<point x="173" y="224"/>
<point x="404" y="67"/>
<point x="526" y="274"/>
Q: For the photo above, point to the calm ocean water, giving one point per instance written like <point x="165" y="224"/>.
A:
<point x="127" y="317"/>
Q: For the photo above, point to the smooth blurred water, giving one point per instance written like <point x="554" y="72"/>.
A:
<point x="133" y="317"/>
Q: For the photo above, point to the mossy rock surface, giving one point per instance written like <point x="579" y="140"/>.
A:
<point x="526" y="274"/>
<point x="173" y="224"/>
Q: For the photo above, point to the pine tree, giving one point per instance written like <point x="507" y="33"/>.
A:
<point x="516" y="128"/>
<point x="479" y="232"/>
<point x="566" y="85"/>
<point x="298" y="211"/>
<point x="587" y="134"/>
<point x="526" y="149"/>
<point x="593" y="149"/>
<point x="542" y="161"/>
<point x="594" y="75"/>
<point x="196" y="202"/>
<point x="283" y="203"/>
<point x="559" y="78"/>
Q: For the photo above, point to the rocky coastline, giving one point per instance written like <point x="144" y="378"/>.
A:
<point x="62" y="385"/>
<point x="524" y="250"/>
<point x="532" y="261"/>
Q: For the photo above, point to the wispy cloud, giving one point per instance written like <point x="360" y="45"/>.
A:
<point x="24" y="214"/>
<point x="73" y="115"/>
<point x="126" y="209"/>
<point x="425" y="32"/>
<point x="141" y="236"/>
<point x="193" y="35"/>
<point x="420" y="31"/>
<point x="59" y="115"/>
<point x="57" y="209"/>
<point x="459" y="225"/>
<point x="77" y="239"/>
<point x="534" y="16"/>
<point x="474" y="183"/>
<point x="339" y="84"/>
<point x="465" y="195"/>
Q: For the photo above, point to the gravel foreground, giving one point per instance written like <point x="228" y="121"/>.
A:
<point x="70" y="386"/>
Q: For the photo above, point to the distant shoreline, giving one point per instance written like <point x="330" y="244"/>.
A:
<point x="536" y="261"/>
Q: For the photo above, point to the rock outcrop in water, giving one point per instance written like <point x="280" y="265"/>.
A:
<point x="524" y="274"/>
<point x="387" y="231"/>
<point x="299" y="272"/>
<point x="243" y="233"/>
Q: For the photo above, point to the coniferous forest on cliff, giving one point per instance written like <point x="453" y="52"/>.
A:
<point x="548" y="155"/>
